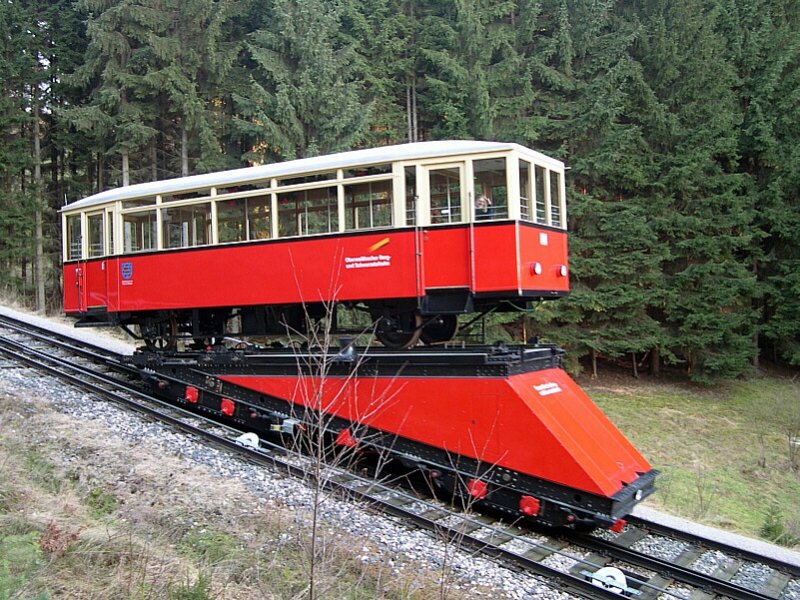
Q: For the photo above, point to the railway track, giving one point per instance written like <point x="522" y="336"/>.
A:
<point x="574" y="562"/>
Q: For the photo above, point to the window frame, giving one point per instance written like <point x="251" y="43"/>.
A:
<point x="394" y="173"/>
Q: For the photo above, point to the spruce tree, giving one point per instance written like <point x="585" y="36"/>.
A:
<point x="303" y="94"/>
<point x="153" y="72"/>
<point x="117" y="117"/>
<point x="382" y="37"/>
<point x="703" y="217"/>
<point x="595" y="103"/>
<point x="764" y="45"/>
<point x="19" y="75"/>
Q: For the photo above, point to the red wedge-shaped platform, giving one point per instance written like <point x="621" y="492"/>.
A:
<point x="540" y="423"/>
<point x="506" y="426"/>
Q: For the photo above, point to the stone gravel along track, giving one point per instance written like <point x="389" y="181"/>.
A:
<point x="378" y="539"/>
<point x="412" y="555"/>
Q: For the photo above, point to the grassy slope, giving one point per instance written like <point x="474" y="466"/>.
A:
<point x="708" y="443"/>
<point x="86" y="515"/>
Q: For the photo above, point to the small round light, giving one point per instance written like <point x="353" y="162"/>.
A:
<point x="562" y="270"/>
<point x="536" y="268"/>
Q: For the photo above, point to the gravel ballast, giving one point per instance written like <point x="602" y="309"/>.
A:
<point x="383" y="540"/>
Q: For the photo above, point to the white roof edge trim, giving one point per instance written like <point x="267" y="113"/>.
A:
<point x="342" y="160"/>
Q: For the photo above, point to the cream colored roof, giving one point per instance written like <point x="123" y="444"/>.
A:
<point x="343" y="160"/>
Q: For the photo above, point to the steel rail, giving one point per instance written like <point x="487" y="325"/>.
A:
<point x="667" y="568"/>
<point x="566" y="581"/>
<point x="702" y="542"/>
<point x="56" y="366"/>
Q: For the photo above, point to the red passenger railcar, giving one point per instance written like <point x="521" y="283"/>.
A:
<point x="417" y="234"/>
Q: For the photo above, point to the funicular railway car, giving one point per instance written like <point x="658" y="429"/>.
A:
<point x="416" y="235"/>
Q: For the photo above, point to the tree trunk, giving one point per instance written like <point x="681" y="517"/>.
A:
<point x="756" y="359"/>
<point x="411" y="109"/>
<point x="154" y="160"/>
<point x="594" y="363"/>
<point x="126" y="169"/>
<point x="37" y="190"/>
<point x="655" y="361"/>
<point x="414" y="112"/>
<point x="635" y="366"/>
<point x="184" y="152"/>
<point x="409" y="121"/>
<point x="100" y="167"/>
<point x="755" y="333"/>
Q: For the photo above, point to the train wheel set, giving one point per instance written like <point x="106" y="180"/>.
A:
<point x="503" y="428"/>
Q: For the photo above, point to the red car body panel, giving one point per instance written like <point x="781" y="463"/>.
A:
<point x="493" y="259"/>
<point x="558" y="433"/>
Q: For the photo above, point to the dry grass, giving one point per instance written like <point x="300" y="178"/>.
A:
<point x="87" y="516"/>
<point x="723" y="451"/>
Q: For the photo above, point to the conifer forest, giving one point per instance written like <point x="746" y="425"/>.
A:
<point x="678" y="119"/>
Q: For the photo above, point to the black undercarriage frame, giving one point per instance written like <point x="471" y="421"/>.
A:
<point x="170" y="373"/>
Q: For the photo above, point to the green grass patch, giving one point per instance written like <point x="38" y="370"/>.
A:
<point x="210" y="547"/>
<point x="41" y="471"/>
<point x="100" y="503"/>
<point x="724" y="453"/>
<point x="20" y="558"/>
<point x="200" y="589"/>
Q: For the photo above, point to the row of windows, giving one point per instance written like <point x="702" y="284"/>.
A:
<point x="316" y="210"/>
<point x="281" y="182"/>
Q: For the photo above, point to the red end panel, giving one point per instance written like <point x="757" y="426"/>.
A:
<point x="380" y="265"/>
<point x="95" y="280"/>
<point x="580" y="428"/>
<point x="549" y="249"/>
<point x="496" y="258"/>
<point x="539" y="423"/>
<point x="71" y="279"/>
<point x="91" y="284"/>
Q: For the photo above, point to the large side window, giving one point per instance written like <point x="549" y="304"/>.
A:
<point x="259" y="218"/>
<point x="556" y="219"/>
<point x="368" y="205"/>
<point x="95" y="223"/>
<point x="540" y="194"/>
<point x="307" y="212"/>
<point x="139" y="231"/>
<point x="74" y="239"/>
<point x="232" y="220"/>
<point x="490" y="189"/>
<point x="445" y="195"/>
<point x="244" y="219"/>
<point x="186" y="226"/>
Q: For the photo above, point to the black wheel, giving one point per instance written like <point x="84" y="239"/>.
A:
<point x="160" y="335"/>
<point x="440" y="329"/>
<point x="399" y="331"/>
